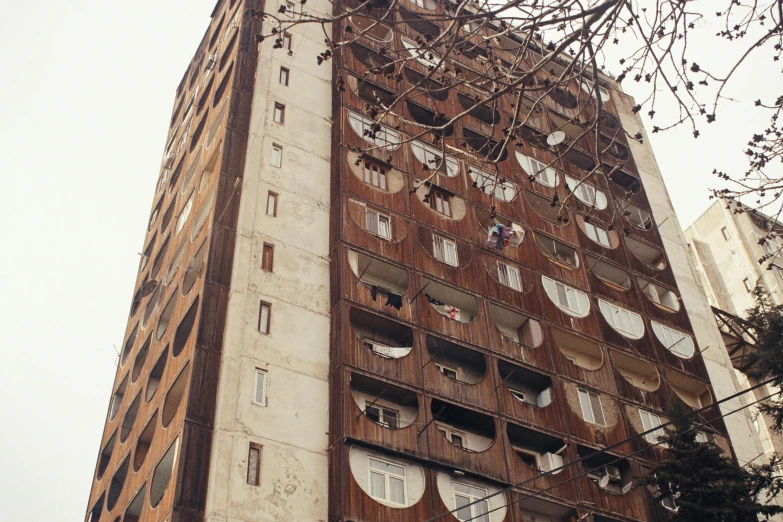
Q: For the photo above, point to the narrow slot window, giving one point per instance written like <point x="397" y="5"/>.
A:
<point x="254" y="465"/>
<point x="264" y="317"/>
<point x="284" y="74"/>
<point x="287" y="42"/>
<point x="748" y="285"/>
<point x="271" y="204"/>
<point x="725" y="232"/>
<point x="277" y="155"/>
<point x="279" y="113"/>
<point x="267" y="257"/>
<point x="259" y="393"/>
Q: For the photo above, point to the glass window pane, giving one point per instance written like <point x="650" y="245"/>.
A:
<point x="482" y="510"/>
<point x="397" y="490"/>
<point x="377" y="485"/>
<point x="260" y="381"/>
<point x="597" y="410"/>
<point x="463" y="512"/>
<point x="587" y="410"/>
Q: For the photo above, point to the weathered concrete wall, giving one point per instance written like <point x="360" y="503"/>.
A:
<point x="292" y="427"/>
<point x="731" y="261"/>
<point x="740" y="425"/>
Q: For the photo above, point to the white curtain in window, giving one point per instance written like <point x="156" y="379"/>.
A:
<point x="678" y="343"/>
<point x="568" y="299"/>
<point x="432" y="157"/>
<point x="629" y="324"/>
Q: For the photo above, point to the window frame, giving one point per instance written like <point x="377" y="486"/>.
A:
<point x="264" y="387"/>
<point x="287" y="39"/>
<point x="509" y="269"/>
<point x="285" y="74"/>
<point x="534" y="168"/>
<point x="616" y="312"/>
<point x="596" y="237"/>
<point x="666" y="338"/>
<point x="276" y="160"/>
<point x="473" y="503"/>
<point x="592" y="399"/>
<point x="587" y="193"/>
<point x="387" y="480"/>
<point x="378" y="218"/>
<point x="268" y="257"/>
<point x="278" y="114"/>
<point x="443" y="369"/>
<point x="443" y="251"/>
<point x="273" y="197"/>
<point x="268" y="326"/>
<point x="373" y="172"/>
<point x="381" y="414"/>
<point x="254" y="454"/>
<point x="450" y="433"/>
<point x="439" y="202"/>
<point x="649" y="424"/>
<point x="579" y="296"/>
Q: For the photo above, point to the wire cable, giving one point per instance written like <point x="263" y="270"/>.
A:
<point x="617" y="459"/>
<point x="604" y="450"/>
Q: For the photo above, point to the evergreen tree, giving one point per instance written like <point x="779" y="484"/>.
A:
<point x="703" y="483"/>
<point x="766" y="362"/>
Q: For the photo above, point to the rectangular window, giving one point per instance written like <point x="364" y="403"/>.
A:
<point x="455" y="437"/>
<point x="439" y="202"/>
<point x="387" y="481"/>
<point x="748" y="286"/>
<point x="264" y="317"/>
<point x="471" y="503"/>
<point x="259" y="394"/>
<point x="277" y="155"/>
<point x="374" y="174"/>
<point x="287" y="42"/>
<point x="271" y="204"/>
<point x="651" y="421"/>
<point x="279" y="113"/>
<point x="382" y="415"/>
<point x="254" y="465"/>
<point x="448" y="372"/>
<point x="378" y="224"/>
<point x="284" y="76"/>
<point x="725" y="232"/>
<point x="591" y="407"/>
<point x="267" y="257"/>
<point x="509" y="276"/>
<point x="445" y="250"/>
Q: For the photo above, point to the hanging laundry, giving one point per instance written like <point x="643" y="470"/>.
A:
<point x="374" y="292"/>
<point x="494" y="240"/>
<point x="433" y="300"/>
<point x="454" y="313"/>
<point x="394" y="300"/>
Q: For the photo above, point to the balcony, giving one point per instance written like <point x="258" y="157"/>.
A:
<point x="581" y="352"/>
<point x="607" y="472"/>
<point x="382" y="337"/>
<point x="383" y="403"/>
<point x="465" y="429"/>
<point x="538" y="451"/>
<point x="638" y="372"/>
<point x="526" y="386"/>
<point x="538" y="509"/>
<point x="453" y="370"/>
<point x="449" y="302"/>
<point x="692" y="392"/>
<point x="384" y="284"/>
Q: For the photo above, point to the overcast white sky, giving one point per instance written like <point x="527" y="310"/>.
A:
<point x="84" y="106"/>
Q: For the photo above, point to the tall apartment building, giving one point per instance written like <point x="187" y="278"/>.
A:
<point x="733" y="252"/>
<point x="311" y="339"/>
